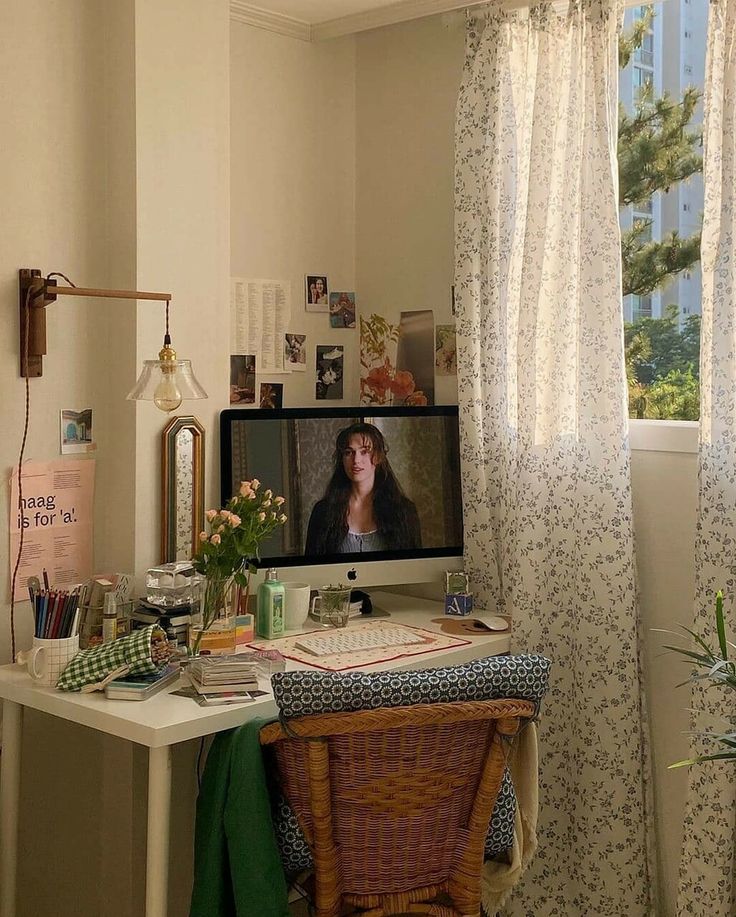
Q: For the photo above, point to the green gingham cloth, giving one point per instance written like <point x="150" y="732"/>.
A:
<point x="92" y="665"/>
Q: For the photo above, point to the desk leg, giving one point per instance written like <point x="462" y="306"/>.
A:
<point x="9" y="796"/>
<point x="157" y="849"/>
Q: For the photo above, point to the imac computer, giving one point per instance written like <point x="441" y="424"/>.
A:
<point x="322" y="459"/>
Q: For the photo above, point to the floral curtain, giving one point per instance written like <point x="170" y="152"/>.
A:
<point x="547" y="501"/>
<point x="708" y="864"/>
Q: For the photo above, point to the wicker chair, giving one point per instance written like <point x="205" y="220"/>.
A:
<point x="395" y="803"/>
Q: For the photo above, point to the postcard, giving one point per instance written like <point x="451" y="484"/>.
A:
<point x="342" y="310"/>
<point x="76" y="432"/>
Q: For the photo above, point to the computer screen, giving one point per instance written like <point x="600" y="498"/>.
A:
<point x="326" y="461"/>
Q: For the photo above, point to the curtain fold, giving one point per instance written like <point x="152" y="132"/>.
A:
<point x="542" y="393"/>
<point x="707" y="885"/>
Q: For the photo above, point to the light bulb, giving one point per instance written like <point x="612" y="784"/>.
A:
<point x="166" y="395"/>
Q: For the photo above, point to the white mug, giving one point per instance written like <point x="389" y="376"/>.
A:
<point x="296" y="605"/>
<point x="47" y="659"/>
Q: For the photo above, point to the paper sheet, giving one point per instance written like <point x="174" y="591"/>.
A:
<point x="260" y="311"/>
<point x="58" y="499"/>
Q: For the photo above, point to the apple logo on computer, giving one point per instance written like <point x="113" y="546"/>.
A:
<point x="352" y="575"/>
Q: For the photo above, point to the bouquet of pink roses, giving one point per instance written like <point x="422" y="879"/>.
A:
<point x="226" y="553"/>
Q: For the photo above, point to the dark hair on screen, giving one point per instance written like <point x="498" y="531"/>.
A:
<point x="395" y="514"/>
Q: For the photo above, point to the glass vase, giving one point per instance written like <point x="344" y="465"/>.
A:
<point x="214" y="633"/>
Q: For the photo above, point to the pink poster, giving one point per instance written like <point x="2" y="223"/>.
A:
<point x="56" y="516"/>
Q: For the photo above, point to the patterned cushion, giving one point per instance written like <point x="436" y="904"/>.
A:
<point x="497" y="677"/>
<point x="304" y="693"/>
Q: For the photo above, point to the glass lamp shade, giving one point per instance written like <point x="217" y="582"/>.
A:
<point x="167" y="383"/>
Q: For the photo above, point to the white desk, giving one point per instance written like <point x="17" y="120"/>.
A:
<point x="161" y="722"/>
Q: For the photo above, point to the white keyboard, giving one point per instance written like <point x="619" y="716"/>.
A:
<point x="353" y="641"/>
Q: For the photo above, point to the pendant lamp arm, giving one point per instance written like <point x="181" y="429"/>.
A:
<point x="37" y="291"/>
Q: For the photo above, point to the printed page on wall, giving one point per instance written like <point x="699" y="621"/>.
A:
<point x="260" y="312"/>
<point x="56" y="516"/>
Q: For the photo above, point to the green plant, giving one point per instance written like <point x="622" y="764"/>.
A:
<point x="714" y="667"/>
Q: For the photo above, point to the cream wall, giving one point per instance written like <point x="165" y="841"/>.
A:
<point x="664" y="486"/>
<point x="293" y="182"/>
<point x="114" y="168"/>
<point x="53" y="190"/>
<point x="407" y="79"/>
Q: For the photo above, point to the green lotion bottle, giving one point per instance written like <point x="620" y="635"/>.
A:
<point x="270" y="612"/>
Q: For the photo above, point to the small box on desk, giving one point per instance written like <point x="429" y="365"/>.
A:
<point x="459" y="604"/>
<point x="244" y="632"/>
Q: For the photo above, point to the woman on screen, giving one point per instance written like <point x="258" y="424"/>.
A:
<point x="364" y="508"/>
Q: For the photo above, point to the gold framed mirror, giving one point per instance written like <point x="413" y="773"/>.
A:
<point x="182" y="491"/>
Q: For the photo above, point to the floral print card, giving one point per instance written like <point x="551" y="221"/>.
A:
<point x="445" y="358"/>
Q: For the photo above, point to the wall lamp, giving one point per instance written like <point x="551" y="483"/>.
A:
<point x="166" y="381"/>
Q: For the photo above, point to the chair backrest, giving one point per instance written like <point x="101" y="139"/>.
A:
<point x="395" y="802"/>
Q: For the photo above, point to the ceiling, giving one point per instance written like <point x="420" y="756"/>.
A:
<point x="315" y="11"/>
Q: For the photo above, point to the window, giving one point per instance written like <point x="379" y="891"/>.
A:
<point x="645" y="53"/>
<point x="641" y="77"/>
<point x="662" y="331"/>
<point x="641" y="307"/>
<point x="643" y="229"/>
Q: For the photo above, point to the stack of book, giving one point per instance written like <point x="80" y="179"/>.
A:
<point x="231" y="675"/>
<point x="174" y="621"/>
<point x="141" y="687"/>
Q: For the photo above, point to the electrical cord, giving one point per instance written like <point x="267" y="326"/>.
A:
<point x="59" y="274"/>
<point x="27" y="309"/>
<point x="26" y="337"/>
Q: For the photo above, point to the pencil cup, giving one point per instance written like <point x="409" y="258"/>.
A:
<point x="47" y="659"/>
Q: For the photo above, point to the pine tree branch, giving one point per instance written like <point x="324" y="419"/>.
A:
<point x="647" y="266"/>
<point x="656" y="150"/>
<point x="632" y="41"/>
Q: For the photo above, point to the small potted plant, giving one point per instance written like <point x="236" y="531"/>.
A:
<point x="331" y="606"/>
<point x="713" y="666"/>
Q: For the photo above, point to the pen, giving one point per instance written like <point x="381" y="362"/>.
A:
<point x="45" y="579"/>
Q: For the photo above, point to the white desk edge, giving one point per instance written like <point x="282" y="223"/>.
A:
<point x="165" y="720"/>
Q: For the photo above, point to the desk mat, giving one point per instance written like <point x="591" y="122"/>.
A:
<point x="339" y="662"/>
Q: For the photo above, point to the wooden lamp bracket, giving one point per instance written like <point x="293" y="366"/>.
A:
<point x="34" y="294"/>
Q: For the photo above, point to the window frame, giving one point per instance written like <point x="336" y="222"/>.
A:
<point x="664" y="435"/>
<point x="661" y="435"/>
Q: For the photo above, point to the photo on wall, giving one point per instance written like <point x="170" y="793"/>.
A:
<point x="329" y="372"/>
<point x="76" y="432"/>
<point x="342" y="310"/>
<point x="445" y="351"/>
<point x="295" y="352"/>
<point x="272" y="395"/>
<point x="317" y="295"/>
<point x="242" y="378"/>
